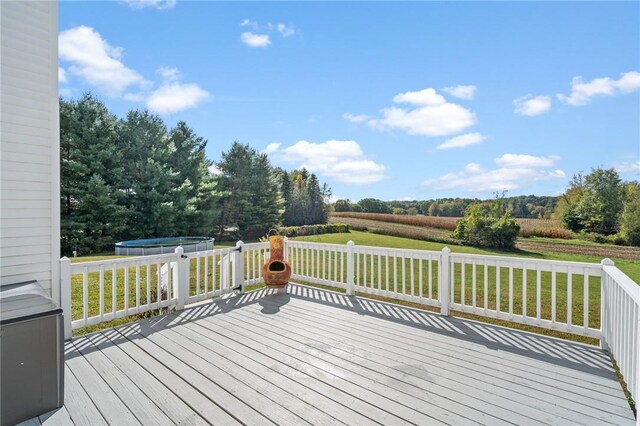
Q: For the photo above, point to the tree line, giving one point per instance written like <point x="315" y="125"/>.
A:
<point x="522" y="206"/>
<point x="601" y="206"/>
<point x="134" y="178"/>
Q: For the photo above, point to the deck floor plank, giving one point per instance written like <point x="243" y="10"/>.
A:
<point x="58" y="417"/>
<point x="78" y="403"/>
<point x="225" y="398"/>
<point x="389" y="403"/>
<point x="319" y="357"/>
<point x="155" y="390"/>
<point x="274" y="390"/>
<point x="318" y="380"/>
<point x="112" y="408"/>
<point x="509" y="365"/>
<point x="331" y="327"/>
<point x="461" y="396"/>
<point x="333" y="401"/>
<point x="230" y="380"/>
<point x="142" y="407"/>
<point x="188" y="393"/>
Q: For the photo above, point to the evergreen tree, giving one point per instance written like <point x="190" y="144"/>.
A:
<point x="250" y="200"/>
<point x="148" y="180"/>
<point x="189" y="167"/>
<point x="88" y="154"/>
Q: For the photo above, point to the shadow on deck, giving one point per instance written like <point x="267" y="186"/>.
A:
<point x="319" y="357"/>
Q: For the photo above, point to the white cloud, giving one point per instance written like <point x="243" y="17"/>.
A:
<point x="629" y="82"/>
<point x="582" y="91"/>
<point x="515" y="171"/>
<point x="422" y="97"/>
<point x="158" y="4"/>
<point x="462" y="92"/>
<point x="525" y="160"/>
<point x="462" y="141"/>
<point x="169" y="74"/>
<point x="255" y="40"/>
<point x="249" y="23"/>
<point x="360" y="118"/>
<point x="629" y="168"/>
<point x="214" y="170"/>
<point x="173" y="97"/>
<point x="271" y="148"/>
<point x="62" y="75"/>
<point x="95" y="61"/>
<point x="285" y="31"/>
<point x="532" y="105"/>
<point x="432" y="115"/>
<point x="343" y="161"/>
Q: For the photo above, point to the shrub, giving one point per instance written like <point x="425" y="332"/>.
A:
<point x="299" y="231"/>
<point x="483" y="228"/>
<point x="630" y="217"/>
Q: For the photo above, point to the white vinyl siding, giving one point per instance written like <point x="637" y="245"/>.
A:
<point x="29" y="152"/>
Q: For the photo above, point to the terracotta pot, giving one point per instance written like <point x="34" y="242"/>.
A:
<point x="276" y="271"/>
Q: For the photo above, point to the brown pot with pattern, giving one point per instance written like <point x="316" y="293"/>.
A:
<point x="276" y="271"/>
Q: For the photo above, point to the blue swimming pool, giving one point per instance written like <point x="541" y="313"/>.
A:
<point x="163" y="245"/>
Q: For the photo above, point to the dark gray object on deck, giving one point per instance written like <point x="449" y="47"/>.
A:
<point x="31" y="353"/>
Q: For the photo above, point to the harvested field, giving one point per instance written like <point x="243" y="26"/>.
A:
<point x="442" y="235"/>
<point x="528" y="227"/>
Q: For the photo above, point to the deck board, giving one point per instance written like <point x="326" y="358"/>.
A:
<point x="319" y="357"/>
<point x="554" y="393"/>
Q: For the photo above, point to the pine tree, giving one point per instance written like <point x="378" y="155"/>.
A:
<point x="250" y="200"/>
<point x="88" y="149"/>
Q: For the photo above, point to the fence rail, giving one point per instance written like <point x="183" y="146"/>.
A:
<point x="594" y="300"/>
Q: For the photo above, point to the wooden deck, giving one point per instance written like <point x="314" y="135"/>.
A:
<point x="318" y="357"/>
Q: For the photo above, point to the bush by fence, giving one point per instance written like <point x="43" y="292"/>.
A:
<point x="300" y="231"/>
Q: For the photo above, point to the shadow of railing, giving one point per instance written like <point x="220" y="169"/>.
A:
<point x="553" y="350"/>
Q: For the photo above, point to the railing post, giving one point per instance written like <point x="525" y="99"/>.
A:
<point x="351" y="288"/>
<point x="444" y="285"/>
<point x="284" y="249"/>
<point x="181" y="278"/>
<point x="237" y="275"/>
<point x="603" y="305"/>
<point x="65" y="295"/>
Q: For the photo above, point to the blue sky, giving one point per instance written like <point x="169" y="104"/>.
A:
<point x="389" y="100"/>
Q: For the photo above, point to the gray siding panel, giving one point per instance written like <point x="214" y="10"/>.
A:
<point x="29" y="134"/>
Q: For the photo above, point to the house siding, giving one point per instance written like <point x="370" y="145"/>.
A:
<point x="29" y="151"/>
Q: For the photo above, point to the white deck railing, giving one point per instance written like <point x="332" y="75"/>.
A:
<point x="621" y="325"/>
<point x="587" y="299"/>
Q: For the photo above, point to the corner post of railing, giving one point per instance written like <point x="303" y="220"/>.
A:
<point x="285" y="248"/>
<point x="65" y="295"/>
<point x="444" y="285"/>
<point x="604" y="305"/>
<point x="237" y="274"/>
<point x="351" y="287"/>
<point x="181" y="278"/>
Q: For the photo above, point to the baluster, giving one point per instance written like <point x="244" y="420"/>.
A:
<point x="569" y="297"/>
<point x="473" y="284"/>
<point x="101" y="293"/>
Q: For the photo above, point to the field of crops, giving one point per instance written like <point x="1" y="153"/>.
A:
<point x="528" y="227"/>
